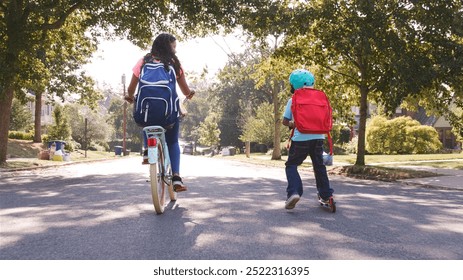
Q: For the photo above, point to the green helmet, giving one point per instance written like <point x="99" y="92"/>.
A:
<point x="300" y="78"/>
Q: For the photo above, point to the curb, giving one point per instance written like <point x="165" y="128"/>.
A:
<point x="428" y="186"/>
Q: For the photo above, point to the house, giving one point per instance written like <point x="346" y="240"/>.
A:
<point x="446" y="136"/>
<point x="47" y="110"/>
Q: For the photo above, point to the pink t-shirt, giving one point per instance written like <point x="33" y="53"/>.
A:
<point x="137" y="68"/>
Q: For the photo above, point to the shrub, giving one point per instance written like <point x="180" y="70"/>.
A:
<point x="351" y="147"/>
<point x="423" y="139"/>
<point x="401" y="135"/>
<point x="340" y="134"/>
<point x="21" y="135"/>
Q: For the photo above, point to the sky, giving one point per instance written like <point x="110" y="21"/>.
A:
<point x="115" y="58"/>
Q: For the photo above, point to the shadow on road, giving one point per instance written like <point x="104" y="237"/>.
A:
<point x="112" y="217"/>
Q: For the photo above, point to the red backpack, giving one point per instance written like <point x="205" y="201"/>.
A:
<point x="312" y="112"/>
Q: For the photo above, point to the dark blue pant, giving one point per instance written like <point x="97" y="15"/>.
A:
<point x="298" y="152"/>
<point x="173" y="146"/>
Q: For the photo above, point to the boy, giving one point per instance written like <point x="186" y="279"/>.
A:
<point x="303" y="145"/>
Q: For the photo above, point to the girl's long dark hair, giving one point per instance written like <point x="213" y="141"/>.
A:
<point x="162" y="51"/>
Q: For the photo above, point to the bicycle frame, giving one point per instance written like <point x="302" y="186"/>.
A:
<point x="154" y="134"/>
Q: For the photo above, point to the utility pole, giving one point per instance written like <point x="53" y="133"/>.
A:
<point x="85" y="137"/>
<point x="125" y="117"/>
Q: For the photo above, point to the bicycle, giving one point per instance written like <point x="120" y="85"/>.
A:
<point x="159" y="167"/>
<point x="159" y="162"/>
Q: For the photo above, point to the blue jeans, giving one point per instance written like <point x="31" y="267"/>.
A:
<point x="298" y="152"/>
<point x="172" y="145"/>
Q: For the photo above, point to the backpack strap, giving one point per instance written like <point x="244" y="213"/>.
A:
<point x="330" y="143"/>
<point x="149" y="58"/>
<point x="289" y="140"/>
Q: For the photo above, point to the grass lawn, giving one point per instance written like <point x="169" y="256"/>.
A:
<point x="389" y="159"/>
<point x="24" y="154"/>
<point x="378" y="167"/>
<point x="440" y="160"/>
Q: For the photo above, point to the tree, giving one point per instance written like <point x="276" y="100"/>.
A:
<point x="21" y="117"/>
<point x="260" y="127"/>
<point x="116" y="119"/>
<point x="27" y="51"/>
<point x="61" y="53"/>
<point x="97" y="130"/>
<point x="235" y="91"/>
<point x="384" y="50"/>
<point x="61" y="129"/>
<point x="270" y="76"/>
<point x="22" y="23"/>
<point x="440" y="39"/>
<point x="265" y="20"/>
<point x="209" y="132"/>
<point x="198" y="109"/>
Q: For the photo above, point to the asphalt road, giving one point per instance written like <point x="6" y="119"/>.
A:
<point x="103" y="210"/>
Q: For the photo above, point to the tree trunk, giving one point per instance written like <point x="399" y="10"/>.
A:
<point x="6" y="101"/>
<point x="38" y="118"/>
<point x="276" y="154"/>
<point x="362" y="125"/>
<point x="248" y="149"/>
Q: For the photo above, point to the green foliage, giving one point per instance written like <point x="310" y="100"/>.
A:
<point x="260" y="128"/>
<point x="340" y="134"/>
<point x="197" y="109"/>
<point x="44" y="44"/>
<point x="61" y="129"/>
<point x="115" y="121"/>
<point x="400" y="135"/>
<point x="21" y="117"/>
<point x="97" y="130"/>
<point x="233" y="93"/>
<point x="423" y="140"/>
<point x="21" y="135"/>
<point x="351" y="147"/>
<point x="271" y="76"/>
<point x="209" y="132"/>
<point x="384" y="51"/>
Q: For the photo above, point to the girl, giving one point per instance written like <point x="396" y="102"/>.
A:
<point x="163" y="51"/>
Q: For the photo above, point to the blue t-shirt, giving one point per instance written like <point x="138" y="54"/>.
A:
<point x="297" y="135"/>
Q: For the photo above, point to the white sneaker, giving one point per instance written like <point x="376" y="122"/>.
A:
<point x="291" y="201"/>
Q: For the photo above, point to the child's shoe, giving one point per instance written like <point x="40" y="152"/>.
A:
<point x="291" y="201"/>
<point x="178" y="184"/>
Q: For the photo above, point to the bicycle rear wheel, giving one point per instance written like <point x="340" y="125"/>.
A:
<point x="158" y="186"/>
<point x="168" y="177"/>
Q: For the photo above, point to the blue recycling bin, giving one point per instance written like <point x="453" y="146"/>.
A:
<point x="118" y="150"/>
<point x="59" y="144"/>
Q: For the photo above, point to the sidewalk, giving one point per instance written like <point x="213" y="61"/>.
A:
<point x="451" y="179"/>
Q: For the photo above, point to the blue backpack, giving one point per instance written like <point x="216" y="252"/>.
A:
<point x="156" y="101"/>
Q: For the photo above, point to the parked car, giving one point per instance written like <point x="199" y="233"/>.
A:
<point x="188" y="149"/>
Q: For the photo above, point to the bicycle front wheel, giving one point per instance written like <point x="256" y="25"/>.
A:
<point x="158" y="186"/>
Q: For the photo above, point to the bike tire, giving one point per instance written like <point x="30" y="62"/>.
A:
<point x="158" y="186"/>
